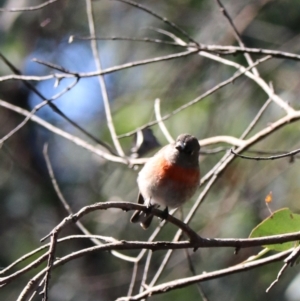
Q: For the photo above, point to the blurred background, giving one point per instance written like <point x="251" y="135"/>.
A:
<point x="29" y="205"/>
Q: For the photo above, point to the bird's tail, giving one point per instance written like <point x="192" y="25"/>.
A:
<point x="144" y="218"/>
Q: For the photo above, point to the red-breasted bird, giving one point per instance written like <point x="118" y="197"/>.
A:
<point x="169" y="178"/>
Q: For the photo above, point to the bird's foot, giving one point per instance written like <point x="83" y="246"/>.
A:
<point x="165" y="213"/>
<point x="149" y="208"/>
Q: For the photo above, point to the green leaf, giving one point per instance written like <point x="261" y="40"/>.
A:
<point x="280" y="222"/>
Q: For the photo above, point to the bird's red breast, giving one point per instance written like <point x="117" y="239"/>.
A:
<point x="166" y="170"/>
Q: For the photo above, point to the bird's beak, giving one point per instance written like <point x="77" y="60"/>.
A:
<point x="179" y="145"/>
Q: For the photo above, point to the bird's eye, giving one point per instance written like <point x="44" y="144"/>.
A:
<point x="188" y="151"/>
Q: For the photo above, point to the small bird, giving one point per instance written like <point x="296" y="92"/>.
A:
<point x="169" y="178"/>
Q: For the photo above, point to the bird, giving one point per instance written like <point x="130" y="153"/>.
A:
<point x="169" y="178"/>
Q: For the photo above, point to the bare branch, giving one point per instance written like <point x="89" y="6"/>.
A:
<point x="51" y="256"/>
<point x="51" y="105"/>
<point x="163" y="19"/>
<point x="224" y="50"/>
<point x="133" y="278"/>
<point x="67" y="207"/>
<point x="168" y="286"/>
<point x="160" y="121"/>
<point x="158" y="245"/>
<point x="256" y="118"/>
<point x="72" y="138"/>
<point x="232" y="50"/>
<point x="97" y="73"/>
<point x="291" y="259"/>
<point x="289" y="154"/>
<point x="132" y="39"/>
<point x="193" y="270"/>
<point x="199" y="98"/>
<point x="195" y="240"/>
<point x="237" y="35"/>
<point x="280" y="273"/>
<point x="29" y="8"/>
<point x="124" y="206"/>
<point x="146" y="269"/>
<point x="280" y="102"/>
<point x="7" y="279"/>
<point x="105" y="99"/>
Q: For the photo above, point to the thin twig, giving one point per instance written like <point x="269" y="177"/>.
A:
<point x="173" y="37"/>
<point x="28" y="8"/>
<point x="34" y="252"/>
<point x="195" y="242"/>
<point x="256" y="119"/>
<point x="193" y="271"/>
<point x="243" y="144"/>
<point x="289" y="154"/>
<point x="70" y="74"/>
<point x="133" y="278"/>
<point x="237" y="35"/>
<point x="192" y="267"/>
<point x="124" y="206"/>
<point x="197" y="99"/>
<point x="280" y="102"/>
<point x="133" y="245"/>
<point x="163" y="19"/>
<point x="224" y="50"/>
<point x="280" y="273"/>
<point x="67" y="207"/>
<point x="51" y="255"/>
<point x="7" y="279"/>
<point x="51" y="105"/>
<point x="36" y="109"/>
<point x="35" y="263"/>
<point x="249" y="142"/>
<point x="158" y="245"/>
<point x="132" y="39"/>
<point x="165" y="261"/>
<point x="72" y="138"/>
<point x="145" y="272"/>
<point x="183" y="282"/>
<point x="96" y="54"/>
<point x="217" y="150"/>
<point x="161" y="124"/>
<point x="232" y="50"/>
<point x="291" y="259"/>
<point x="153" y="236"/>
